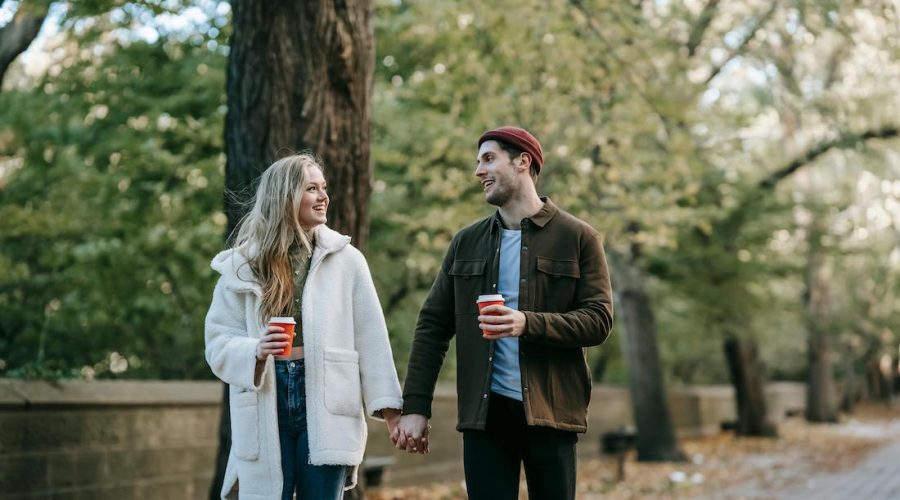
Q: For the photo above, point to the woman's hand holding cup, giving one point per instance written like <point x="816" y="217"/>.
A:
<point x="273" y="341"/>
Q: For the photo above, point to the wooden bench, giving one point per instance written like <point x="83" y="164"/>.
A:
<point x="373" y="469"/>
<point x="617" y="443"/>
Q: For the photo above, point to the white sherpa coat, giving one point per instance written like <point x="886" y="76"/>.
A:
<point x="348" y="362"/>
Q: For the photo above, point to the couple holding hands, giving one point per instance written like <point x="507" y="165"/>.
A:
<point x="523" y="384"/>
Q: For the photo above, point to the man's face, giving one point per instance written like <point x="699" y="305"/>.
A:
<point x="497" y="172"/>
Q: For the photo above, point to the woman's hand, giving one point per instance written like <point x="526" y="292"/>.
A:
<point x="392" y="419"/>
<point x="273" y="342"/>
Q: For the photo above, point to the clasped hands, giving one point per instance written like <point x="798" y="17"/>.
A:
<point x="409" y="432"/>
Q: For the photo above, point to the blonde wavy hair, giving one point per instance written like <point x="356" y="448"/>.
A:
<point x="266" y="234"/>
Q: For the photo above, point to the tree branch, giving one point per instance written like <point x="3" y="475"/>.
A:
<point x="744" y="43"/>
<point x="731" y="224"/>
<point x="699" y="29"/>
<point x="846" y="140"/>
<point x="593" y="25"/>
<point x="16" y="36"/>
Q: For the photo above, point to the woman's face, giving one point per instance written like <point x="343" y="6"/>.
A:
<point x="314" y="200"/>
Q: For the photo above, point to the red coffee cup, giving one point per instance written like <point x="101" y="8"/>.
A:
<point x="288" y="324"/>
<point x="489" y="300"/>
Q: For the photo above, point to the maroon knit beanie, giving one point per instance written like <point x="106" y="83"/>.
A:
<point x="518" y="137"/>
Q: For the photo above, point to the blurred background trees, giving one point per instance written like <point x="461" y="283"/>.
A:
<point x="740" y="158"/>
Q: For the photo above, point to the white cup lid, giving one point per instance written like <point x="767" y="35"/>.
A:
<point x="489" y="298"/>
<point x="283" y="319"/>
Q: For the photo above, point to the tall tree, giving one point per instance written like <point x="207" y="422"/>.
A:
<point x="299" y="78"/>
<point x="821" y="399"/>
<point x="655" y="430"/>
<point x="18" y="34"/>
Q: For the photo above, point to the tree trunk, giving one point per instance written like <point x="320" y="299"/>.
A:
<point x="299" y="78"/>
<point x="18" y="34"/>
<point x="878" y="378"/>
<point x="873" y="379"/>
<point x="655" y="432"/>
<point x="850" y="394"/>
<point x="746" y="376"/>
<point x="821" y="400"/>
<point x="224" y="449"/>
<point x="895" y="380"/>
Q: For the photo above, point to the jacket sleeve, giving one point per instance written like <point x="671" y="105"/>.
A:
<point x="230" y="351"/>
<point x="591" y="318"/>
<point x="378" y="375"/>
<point x="434" y="330"/>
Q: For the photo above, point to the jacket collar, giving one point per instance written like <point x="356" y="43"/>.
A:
<point x="234" y="267"/>
<point x="539" y="219"/>
<point x="328" y="241"/>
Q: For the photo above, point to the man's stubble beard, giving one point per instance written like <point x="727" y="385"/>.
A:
<point x="500" y="195"/>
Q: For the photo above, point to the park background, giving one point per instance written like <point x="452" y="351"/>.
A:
<point x="740" y="159"/>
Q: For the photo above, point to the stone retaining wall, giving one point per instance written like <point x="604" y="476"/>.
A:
<point x="147" y="440"/>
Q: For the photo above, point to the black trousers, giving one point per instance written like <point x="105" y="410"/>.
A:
<point x="493" y="457"/>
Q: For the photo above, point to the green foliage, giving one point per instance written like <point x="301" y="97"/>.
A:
<point x="112" y="211"/>
<point x="111" y="171"/>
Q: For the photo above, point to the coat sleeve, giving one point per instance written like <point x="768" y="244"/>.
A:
<point x="591" y="318"/>
<point x="434" y="330"/>
<point x="378" y="375"/>
<point x="230" y="351"/>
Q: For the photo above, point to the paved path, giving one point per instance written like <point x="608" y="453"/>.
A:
<point x="876" y="477"/>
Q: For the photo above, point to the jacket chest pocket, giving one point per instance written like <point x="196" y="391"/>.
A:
<point x="343" y="391"/>
<point x="555" y="281"/>
<point x="468" y="284"/>
<point x="245" y="425"/>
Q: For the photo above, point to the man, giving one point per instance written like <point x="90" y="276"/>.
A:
<point x="523" y="385"/>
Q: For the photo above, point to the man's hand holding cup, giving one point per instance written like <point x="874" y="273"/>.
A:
<point x="498" y="321"/>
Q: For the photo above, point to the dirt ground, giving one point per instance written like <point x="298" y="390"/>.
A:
<point x="722" y="465"/>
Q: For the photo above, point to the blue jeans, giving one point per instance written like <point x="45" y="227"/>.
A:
<point x="310" y="481"/>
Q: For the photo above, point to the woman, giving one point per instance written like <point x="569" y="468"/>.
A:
<point x="297" y="421"/>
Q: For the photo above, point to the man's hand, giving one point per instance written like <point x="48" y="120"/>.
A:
<point x="413" y="434"/>
<point x="504" y="322"/>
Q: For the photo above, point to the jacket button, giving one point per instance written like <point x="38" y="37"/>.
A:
<point x="525" y="249"/>
<point x="490" y="358"/>
<point x="525" y="389"/>
<point x="522" y="280"/>
<point x="484" y="396"/>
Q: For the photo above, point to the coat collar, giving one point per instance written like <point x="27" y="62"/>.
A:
<point x="234" y="267"/>
<point x="539" y="219"/>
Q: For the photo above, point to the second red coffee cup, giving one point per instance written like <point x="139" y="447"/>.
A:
<point x="489" y="300"/>
<point x="288" y="324"/>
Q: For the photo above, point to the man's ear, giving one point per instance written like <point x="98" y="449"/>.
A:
<point x="525" y="163"/>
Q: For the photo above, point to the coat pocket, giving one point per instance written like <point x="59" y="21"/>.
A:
<point x="555" y="283"/>
<point x="343" y="392"/>
<point x="245" y="425"/>
<point x="468" y="283"/>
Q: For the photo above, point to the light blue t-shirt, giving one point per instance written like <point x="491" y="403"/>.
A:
<point x="506" y="378"/>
